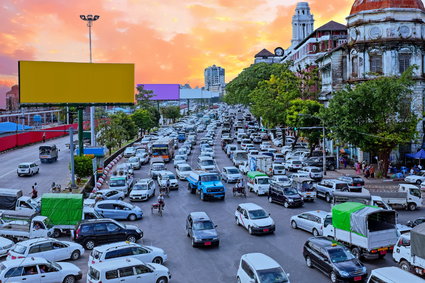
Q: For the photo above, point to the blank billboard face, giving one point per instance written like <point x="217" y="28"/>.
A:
<point x="163" y="91"/>
<point x="61" y="83"/>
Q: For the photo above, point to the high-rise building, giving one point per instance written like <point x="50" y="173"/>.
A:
<point x="214" y="79"/>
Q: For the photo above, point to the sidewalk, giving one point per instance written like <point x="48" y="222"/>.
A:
<point x="370" y="183"/>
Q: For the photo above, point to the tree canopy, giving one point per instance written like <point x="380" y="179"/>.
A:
<point x="374" y="115"/>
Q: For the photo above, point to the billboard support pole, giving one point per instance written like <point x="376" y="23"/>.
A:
<point x="80" y="131"/>
<point x="188" y="107"/>
<point x="71" y="148"/>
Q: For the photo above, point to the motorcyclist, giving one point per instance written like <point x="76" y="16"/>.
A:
<point x="167" y="187"/>
<point x="240" y="183"/>
<point x="161" y="200"/>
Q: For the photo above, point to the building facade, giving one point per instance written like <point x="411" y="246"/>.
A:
<point x="385" y="38"/>
<point x="215" y="79"/>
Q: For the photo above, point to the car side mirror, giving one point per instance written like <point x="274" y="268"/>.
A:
<point x="215" y="226"/>
<point x="270" y="214"/>
<point x="409" y="223"/>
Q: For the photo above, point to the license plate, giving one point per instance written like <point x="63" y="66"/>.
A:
<point x="265" y="230"/>
<point x="207" y="243"/>
<point x="383" y="252"/>
<point x="308" y="194"/>
<point x="357" y="278"/>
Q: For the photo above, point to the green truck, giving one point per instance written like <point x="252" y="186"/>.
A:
<point x="65" y="211"/>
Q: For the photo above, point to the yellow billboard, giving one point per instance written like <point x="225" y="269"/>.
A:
<point x="59" y="83"/>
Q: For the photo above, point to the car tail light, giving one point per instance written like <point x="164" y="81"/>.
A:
<point x="374" y="251"/>
<point x="77" y="233"/>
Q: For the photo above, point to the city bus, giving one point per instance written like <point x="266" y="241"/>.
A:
<point x="163" y="148"/>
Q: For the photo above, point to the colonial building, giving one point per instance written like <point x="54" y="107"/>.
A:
<point x="385" y="38"/>
<point x="265" y="56"/>
<point x="320" y="41"/>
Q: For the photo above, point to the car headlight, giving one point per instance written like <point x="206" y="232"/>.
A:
<point x="290" y="200"/>
<point x="344" y="273"/>
<point x="138" y="231"/>
<point x="197" y="239"/>
<point x="364" y="269"/>
<point x="254" y="225"/>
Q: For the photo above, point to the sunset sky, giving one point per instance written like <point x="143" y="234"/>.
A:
<point x="170" y="41"/>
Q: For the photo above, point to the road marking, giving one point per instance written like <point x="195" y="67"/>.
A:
<point x="14" y="170"/>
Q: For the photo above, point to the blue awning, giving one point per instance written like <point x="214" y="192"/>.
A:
<point x="8" y="127"/>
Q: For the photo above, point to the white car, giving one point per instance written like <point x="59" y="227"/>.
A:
<point x="128" y="270"/>
<point x="183" y="171"/>
<point x="135" y="162"/>
<point x="281" y="179"/>
<point x="31" y="269"/>
<point x="47" y="248"/>
<point x="144" y="157"/>
<point x="125" y="250"/>
<point x="108" y="194"/>
<point x="231" y="174"/>
<point x="415" y="179"/>
<point x="129" y="152"/>
<point x="143" y="190"/>
<point x="210" y="152"/>
<point x="5" y="246"/>
<point x="265" y="145"/>
<point x="165" y="177"/>
<point x="254" y="218"/>
<point x="314" y="173"/>
<point x="312" y="221"/>
<point x="27" y="168"/>
<point x="179" y="159"/>
<point x="292" y="165"/>
<point x="262" y="267"/>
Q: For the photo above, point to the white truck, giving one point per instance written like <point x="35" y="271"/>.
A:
<point x="363" y="197"/>
<point x="13" y="199"/>
<point x="262" y="163"/>
<point x="407" y="196"/>
<point x="23" y="225"/>
<point x="409" y="251"/>
<point x="258" y="182"/>
<point x="239" y="156"/>
<point x="369" y="232"/>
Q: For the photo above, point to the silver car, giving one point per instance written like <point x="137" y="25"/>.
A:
<point x="110" y="194"/>
<point x="312" y="221"/>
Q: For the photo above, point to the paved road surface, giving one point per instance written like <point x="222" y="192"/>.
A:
<point x="57" y="172"/>
<point x="188" y="264"/>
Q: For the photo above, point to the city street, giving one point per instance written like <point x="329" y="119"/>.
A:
<point x="188" y="264"/>
<point x="57" y="172"/>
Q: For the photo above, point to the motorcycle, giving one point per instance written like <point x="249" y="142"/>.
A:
<point x="239" y="190"/>
<point x="157" y="206"/>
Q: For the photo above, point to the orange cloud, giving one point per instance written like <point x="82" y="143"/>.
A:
<point x="169" y="41"/>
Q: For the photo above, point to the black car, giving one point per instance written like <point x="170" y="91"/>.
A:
<point x="201" y="230"/>
<point x="333" y="259"/>
<point x="318" y="162"/>
<point x="94" y="232"/>
<point x="288" y="196"/>
<point x="416" y="222"/>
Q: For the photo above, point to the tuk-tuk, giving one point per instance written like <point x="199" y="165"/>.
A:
<point x="305" y="187"/>
<point x="48" y="153"/>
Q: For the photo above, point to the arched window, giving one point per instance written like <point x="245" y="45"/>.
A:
<point x="404" y="56"/>
<point x="354" y="66"/>
<point x="375" y="60"/>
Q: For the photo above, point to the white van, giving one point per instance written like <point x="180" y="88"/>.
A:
<point x="260" y="268"/>
<point x="392" y="275"/>
<point x="206" y="163"/>
<point x="128" y="270"/>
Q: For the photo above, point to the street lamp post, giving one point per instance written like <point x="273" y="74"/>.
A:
<point x="90" y="19"/>
<point x="323" y="140"/>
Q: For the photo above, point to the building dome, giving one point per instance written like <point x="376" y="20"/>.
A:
<point x="367" y="5"/>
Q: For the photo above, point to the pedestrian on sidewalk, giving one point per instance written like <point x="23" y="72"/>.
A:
<point x="372" y="171"/>
<point x="34" y="193"/>
<point x="44" y="137"/>
<point x="367" y="172"/>
<point x="345" y="161"/>
<point x="357" y="167"/>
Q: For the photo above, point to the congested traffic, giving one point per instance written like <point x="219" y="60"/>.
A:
<point x="256" y="205"/>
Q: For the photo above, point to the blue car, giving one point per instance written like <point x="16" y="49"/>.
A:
<point x="117" y="209"/>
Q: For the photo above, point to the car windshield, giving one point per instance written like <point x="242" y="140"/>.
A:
<point x="272" y="275"/>
<point x="19" y="249"/>
<point x="209" y="178"/>
<point x="282" y="179"/>
<point x="296" y="162"/>
<point x="290" y="191"/>
<point x="23" y="166"/>
<point x="233" y="171"/>
<point x="341" y="186"/>
<point x="203" y="225"/>
<point x="179" y="157"/>
<point x="279" y="167"/>
<point x="207" y="162"/>
<point x="316" y="170"/>
<point x="257" y="214"/>
<point x="133" y="160"/>
<point x="171" y="177"/>
<point x="307" y="187"/>
<point x="339" y="255"/>
<point x="263" y="181"/>
<point x="185" y="168"/>
<point x="140" y="187"/>
<point x="94" y="274"/>
<point x="117" y="182"/>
